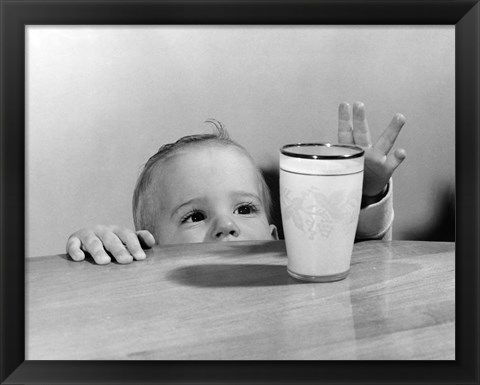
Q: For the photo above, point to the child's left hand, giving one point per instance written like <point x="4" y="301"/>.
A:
<point x="379" y="164"/>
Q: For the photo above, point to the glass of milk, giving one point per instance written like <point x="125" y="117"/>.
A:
<point x="320" y="195"/>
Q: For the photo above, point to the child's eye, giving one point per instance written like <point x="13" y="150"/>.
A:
<point x="193" y="216"/>
<point x="246" y="209"/>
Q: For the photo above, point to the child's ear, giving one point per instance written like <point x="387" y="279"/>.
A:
<point x="274" y="232"/>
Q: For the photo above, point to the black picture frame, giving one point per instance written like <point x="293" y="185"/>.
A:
<point x="16" y="14"/>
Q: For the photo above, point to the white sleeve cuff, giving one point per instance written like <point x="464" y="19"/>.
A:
<point x="375" y="221"/>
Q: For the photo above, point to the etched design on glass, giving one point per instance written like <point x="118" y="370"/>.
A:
<point x="316" y="213"/>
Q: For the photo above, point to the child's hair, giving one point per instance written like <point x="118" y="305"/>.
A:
<point x="145" y="217"/>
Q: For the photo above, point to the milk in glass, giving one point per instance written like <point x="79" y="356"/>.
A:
<point x="320" y="195"/>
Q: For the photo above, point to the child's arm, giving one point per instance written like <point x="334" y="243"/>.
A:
<point x="123" y="244"/>
<point x="376" y="216"/>
<point x="376" y="220"/>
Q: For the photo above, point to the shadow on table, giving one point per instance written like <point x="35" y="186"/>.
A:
<point x="244" y="248"/>
<point x="228" y="275"/>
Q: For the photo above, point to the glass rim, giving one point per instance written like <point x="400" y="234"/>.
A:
<point x="284" y="150"/>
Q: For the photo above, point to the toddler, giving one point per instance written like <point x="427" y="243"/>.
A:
<point x="207" y="188"/>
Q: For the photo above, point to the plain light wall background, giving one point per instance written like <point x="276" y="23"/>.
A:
<point x="102" y="100"/>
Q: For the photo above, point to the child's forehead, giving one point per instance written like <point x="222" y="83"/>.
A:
<point x="194" y="157"/>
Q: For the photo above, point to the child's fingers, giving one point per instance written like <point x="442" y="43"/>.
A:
<point x="345" y="133"/>
<point x="130" y="239"/>
<point x="115" y="246"/>
<point x="74" y="249"/>
<point x="146" y="238"/>
<point x="387" y="139"/>
<point x="92" y="245"/>
<point x="394" y="160"/>
<point x="361" y="132"/>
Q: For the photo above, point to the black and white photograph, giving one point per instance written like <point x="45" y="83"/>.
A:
<point x="102" y="101"/>
<point x="241" y="193"/>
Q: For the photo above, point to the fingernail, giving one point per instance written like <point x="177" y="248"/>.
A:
<point x="359" y="105"/>
<point x="103" y="260"/>
<point x="400" y="118"/>
<point x="359" y="110"/>
<point x="76" y="257"/>
<point x="126" y="258"/>
<point x="140" y="255"/>
<point x="401" y="153"/>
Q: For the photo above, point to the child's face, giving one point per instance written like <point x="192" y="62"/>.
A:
<point x="210" y="193"/>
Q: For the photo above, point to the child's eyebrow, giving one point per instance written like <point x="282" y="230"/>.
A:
<point x="245" y="194"/>
<point x="242" y="193"/>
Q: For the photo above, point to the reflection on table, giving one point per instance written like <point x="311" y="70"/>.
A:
<point x="236" y="301"/>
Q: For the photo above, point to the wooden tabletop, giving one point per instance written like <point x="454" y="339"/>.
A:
<point x="236" y="301"/>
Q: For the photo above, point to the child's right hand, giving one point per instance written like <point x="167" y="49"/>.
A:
<point x="123" y="244"/>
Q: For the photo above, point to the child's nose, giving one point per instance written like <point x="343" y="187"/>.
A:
<point x="224" y="228"/>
